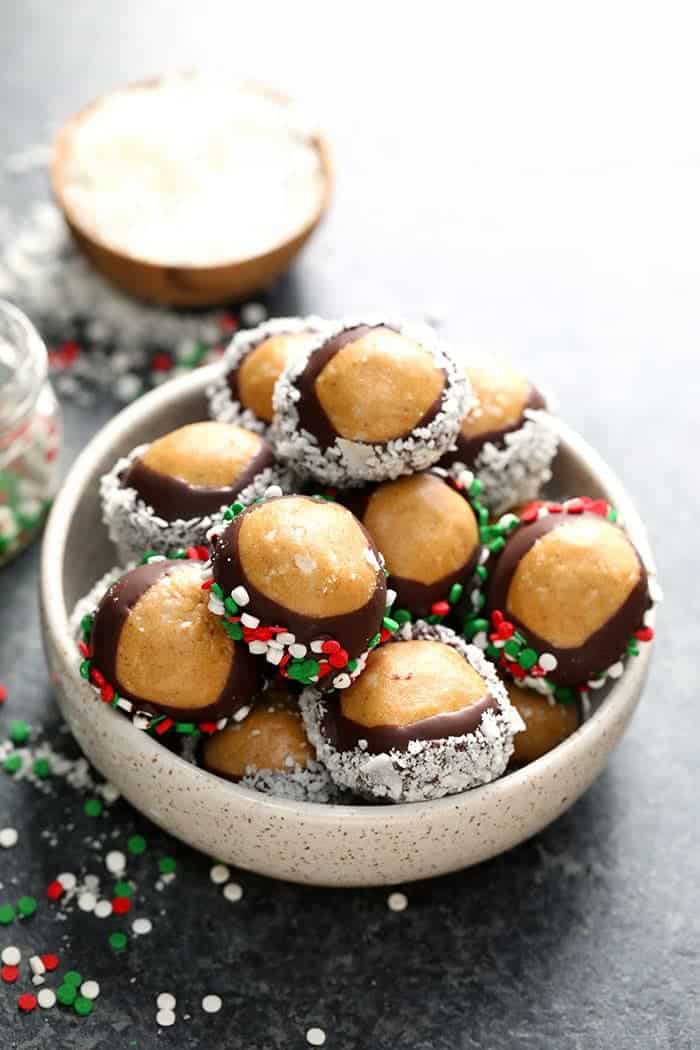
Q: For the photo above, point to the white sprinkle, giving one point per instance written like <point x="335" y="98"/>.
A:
<point x="317" y="646"/>
<point x="103" y="909"/>
<point x="109" y="792"/>
<point x="36" y="965"/>
<point x="127" y="387"/>
<point x="480" y="640"/>
<point x="240" y="595"/>
<point x="250" y="621"/>
<point x="548" y="661"/>
<point x="165" y="1018"/>
<point x="655" y="592"/>
<point x="253" y="313"/>
<point x="46" y="998"/>
<point x="92" y="883"/>
<point x="371" y="558"/>
<point x="219" y="874"/>
<point x="11" y="956"/>
<point x="8" y="837"/>
<point x="465" y="479"/>
<point x="233" y="892"/>
<point x="287" y="638"/>
<point x="141" y="720"/>
<point x="315" y="1037"/>
<point x="38" y="979"/>
<point x="90" y="989"/>
<point x="115" y="862"/>
<point x="211" y="1004"/>
<point x="298" y="650"/>
<point x="274" y="656"/>
<point x="616" y="670"/>
<point x="342" y="681"/>
<point x="257" y="648"/>
<point x="273" y="492"/>
<point x="87" y="901"/>
<point x="397" y="901"/>
<point x="125" y="705"/>
<point x="390" y="597"/>
<point x="68" y="880"/>
<point x="241" y="714"/>
<point x="166" y="1001"/>
<point x="215" y="605"/>
<point x="141" y="926"/>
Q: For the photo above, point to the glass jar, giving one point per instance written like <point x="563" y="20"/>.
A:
<point x="30" y="433"/>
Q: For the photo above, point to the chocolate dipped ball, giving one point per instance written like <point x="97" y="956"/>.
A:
<point x="504" y="438"/>
<point x="269" y="751"/>
<point x="428" y="534"/>
<point x="169" y="494"/>
<point x="368" y="402"/>
<point x="566" y="596"/>
<point x="547" y="724"/>
<point x="157" y="646"/>
<point x="252" y="364"/>
<point x="428" y="717"/>
<point x="301" y="581"/>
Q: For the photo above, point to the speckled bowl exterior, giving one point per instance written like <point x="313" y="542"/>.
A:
<point x="301" y="841"/>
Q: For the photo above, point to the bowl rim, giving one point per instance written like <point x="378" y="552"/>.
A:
<point x="60" y="147"/>
<point x="56" y="619"/>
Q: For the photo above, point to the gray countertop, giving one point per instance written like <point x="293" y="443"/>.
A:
<point x="532" y="185"/>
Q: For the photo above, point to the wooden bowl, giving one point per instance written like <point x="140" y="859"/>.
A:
<point x="305" y="842"/>
<point x="186" y="285"/>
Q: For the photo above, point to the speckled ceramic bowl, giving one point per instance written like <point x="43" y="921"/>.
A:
<point x="304" y="842"/>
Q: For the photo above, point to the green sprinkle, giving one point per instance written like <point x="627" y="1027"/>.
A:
<point x="216" y="589"/>
<point x="92" y="807"/>
<point x="527" y="659"/>
<point x="82" y="1006"/>
<point x="483" y="515"/>
<point x="85" y="669"/>
<point x="228" y="514"/>
<point x="520" y="638"/>
<point x="12" y="763"/>
<point x="86" y="623"/>
<point x="147" y="557"/>
<point x="633" y="647"/>
<point x="122" y="888"/>
<point x="42" y="768"/>
<point x="493" y="653"/>
<point x="118" y="940"/>
<point x="473" y="627"/>
<point x="167" y="865"/>
<point x="456" y="591"/>
<point x="481" y="572"/>
<point x="352" y="665"/>
<point x="402" y="616"/>
<point x="73" y="978"/>
<point x="475" y="487"/>
<point x="237" y="507"/>
<point x="496" y="545"/>
<point x="185" y="728"/>
<point x="136" y="844"/>
<point x="563" y="695"/>
<point x="512" y="647"/>
<point x="66" y="995"/>
<point x="234" y="631"/>
<point x="7" y="914"/>
<point x="230" y="606"/>
<point x="179" y="553"/>
<point x="390" y="624"/>
<point x="374" y="641"/>
<point x="612" y="514"/>
<point x="18" y="731"/>
<point x="26" y="906"/>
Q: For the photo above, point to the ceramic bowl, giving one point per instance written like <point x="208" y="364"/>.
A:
<point x="304" y="842"/>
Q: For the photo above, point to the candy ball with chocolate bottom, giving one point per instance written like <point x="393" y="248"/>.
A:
<point x="302" y="583"/>
<point x="252" y="364"/>
<point x="547" y="723"/>
<point x="428" y="717"/>
<point x="155" y="643"/>
<point x="368" y="402"/>
<point x="504" y="438"/>
<point x="567" y="597"/>
<point x="428" y="534"/>
<point x="269" y="751"/>
<point x="169" y="494"/>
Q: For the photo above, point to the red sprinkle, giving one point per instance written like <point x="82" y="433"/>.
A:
<point x="207" y="584"/>
<point x="529" y="515"/>
<point x="575" y="506"/>
<point x="497" y="618"/>
<point x="121" y="905"/>
<point x="191" y="553"/>
<point x="84" y="650"/>
<point x="3" y="693"/>
<point x="516" y="670"/>
<point x="203" y="553"/>
<point x="644" y="634"/>
<point x="338" y="659"/>
<point x="555" y="508"/>
<point x="505" y="631"/>
<point x="164" y="726"/>
<point x="97" y="678"/>
<point x="54" y="890"/>
<point x="27" y="1002"/>
<point x="207" y="727"/>
<point x="330" y="646"/>
<point x="384" y="634"/>
<point x="161" y="363"/>
<point x="323" y="668"/>
<point x="440" y="608"/>
<point x="9" y="974"/>
<point x="285" y="660"/>
<point x="107" y="693"/>
<point x="50" y="962"/>
<point x="229" y="323"/>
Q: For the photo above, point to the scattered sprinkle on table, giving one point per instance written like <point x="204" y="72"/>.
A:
<point x="115" y="862"/>
<point x="219" y="874"/>
<point x="11" y="956"/>
<point x="73" y="977"/>
<point x="3" y="693"/>
<point x="141" y="926"/>
<point x="66" y="994"/>
<point x="50" y="961"/>
<point x="211" y="1004"/>
<point x="37" y="965"/>
<point x="89" y="989"/>
<point x="121" y="905"/>
<point x="12" y="764"/>
<point x="46" y="998"/>
<point x="118" y="940"/>
<point x="166" y="1001"/>
<point x="315" y="1037"/>
<point x="103" y="909"/>
<point x="397" y="901"/>
<point x="122" y="888"/>
<point x="165" y="1018"/>
<point x="167" y="865"/>
<point x="82" y="1006"/>
<point x="92" y="807"/>
<point x="18" y="731"/>
<point x="87" y="901"/>
<point x="27" y="1002"/>
<point x="68" y="880"/>
<point x="7" y="914"/>
<point x="8" y="837"/>
<point x="26" y="906"/>
<point x="42" y="768"/>
<point x="233" y="891"/>
<point x="136" y="845"/>
<point x="9" y="974"/>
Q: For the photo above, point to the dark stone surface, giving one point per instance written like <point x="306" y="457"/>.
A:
<point x="539" y="198"/>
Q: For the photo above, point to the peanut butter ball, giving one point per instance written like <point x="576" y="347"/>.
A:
<point x="252" y="365"/>
<point x="428" y="717"/>
<point x="572" y="584"/>
<point x="368" y="402"/>
<point x="156" y="643"/>
<point x="271" y="737"/>
<point x="169" y="494"/>
<point x="547" y="724"/>
<point x="429" y="536"/>
<point x="503" y="438"/>
<point x="301" y="581"/>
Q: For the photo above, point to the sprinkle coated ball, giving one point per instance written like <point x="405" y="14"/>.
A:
<point x="368" y="401"/>
<point x="300" y="581"/>
<point x="156" y="645"/>
<point x="170" y="493"/>
<point x="506" y="438"/>
<point x="252" y="364"/>
<point x="429" y="717"/>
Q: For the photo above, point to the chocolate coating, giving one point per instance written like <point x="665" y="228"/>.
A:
<point x="468" y="448"/>
<point x="110" y="617"/>
<point x="602" y="648"/>
<point x="353" y="629"/>
<point x="312" y="416"/>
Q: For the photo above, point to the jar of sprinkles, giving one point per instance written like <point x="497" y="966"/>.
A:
<point x="30" y="433"/>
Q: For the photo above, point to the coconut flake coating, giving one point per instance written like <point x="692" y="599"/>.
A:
<point x="346" y="462"/>
<point x="429" y="769"/>
<point x="134" y="527"/>
<point x="310" y="784"/>
<point x="223" y="407"/>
